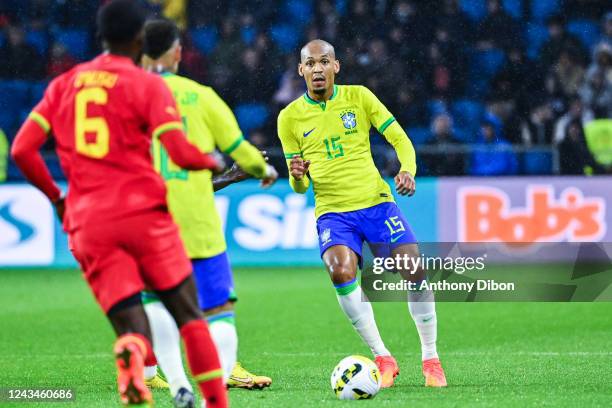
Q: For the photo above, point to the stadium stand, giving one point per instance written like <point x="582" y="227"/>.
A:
<point x="423" y="59"/>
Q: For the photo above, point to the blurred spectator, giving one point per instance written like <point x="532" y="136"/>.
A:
<point x="19" y="60"/>
<point x="4" y="152"/>
<point x="60" y="60"/>
<point x="291" y="85"/>
<point x="559" y="40"/>
<point x="498" y="29"/>
<point x="443" y="137"/>
<point x="596" y="92"/>
<point x="446" y="66"/>
<point x="194" y="64"/>
<point x="517" y="79"/>
<point x="575" y="157"/>
<point x="493" y="155"/>
<point x="577" y="112"/>
<point x="327" y="20"/>
<point x="503" y="112"/>
<point x="417" y="26"/>
<point x="538" y="128"/>
<point x="455" y="21"/>
<point x="440" y="74"/>
<point x="230" y="46"/>
<point x="272" y="59"/>
<point x="553" y="93"/>
<point x="408" y="106"/>
<point x="357" y="22"/>
<point x="251" y="82"/>
<point x="568" y="72"/>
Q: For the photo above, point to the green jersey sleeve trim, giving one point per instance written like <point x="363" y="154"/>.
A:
<point x="385" y="125"/>
<point x="41" y="120"/>
<point x="161" y="129"/>
<point x="234" y="145"/>
<point x="290" y="155"/>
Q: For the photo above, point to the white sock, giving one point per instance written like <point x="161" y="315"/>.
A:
<point x="166" y="344"/>
<point x="150" y="372"/>
<point x="222" y="328"/>
<point x="361" y="315"/>
<point x="422" y="307"/>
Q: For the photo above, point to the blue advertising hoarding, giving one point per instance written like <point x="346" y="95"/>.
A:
<point x="262" y="227"/>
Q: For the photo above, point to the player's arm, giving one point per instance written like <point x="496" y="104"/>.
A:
<point x="186" y="155"/>
<point x="389" y="128"/>
<point x="166" y="124"/>
<point x="228" y="137"/>
<point x="234" y="175"/>
<point x="25" y="151"/>
<point x="298" y="167"/>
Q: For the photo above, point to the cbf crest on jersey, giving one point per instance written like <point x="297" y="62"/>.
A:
<point x="348" y="119"/>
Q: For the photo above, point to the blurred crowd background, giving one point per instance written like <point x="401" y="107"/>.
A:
<point x="483" y="87"/>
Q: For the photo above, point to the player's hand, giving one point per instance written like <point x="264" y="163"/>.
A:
<point x="236" y="174"/>
<point x="271" y="176"/>
<point x="220" y="167"/>
<point x="298" y="167"/>
<point x="60" y="208"/>
<point x="405" y="184"/>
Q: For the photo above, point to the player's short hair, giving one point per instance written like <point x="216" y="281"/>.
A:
<point x="160" y="35"/>
<point x="120" y="21"/>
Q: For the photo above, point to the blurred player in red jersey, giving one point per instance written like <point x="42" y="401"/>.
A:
<point x="103" y="114"/>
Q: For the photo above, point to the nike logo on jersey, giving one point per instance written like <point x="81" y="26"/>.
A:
<point x="394" y="239"/>
<point x="309" y="132"/>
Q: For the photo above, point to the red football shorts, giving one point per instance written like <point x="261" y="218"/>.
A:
<point x="120" y="258"/>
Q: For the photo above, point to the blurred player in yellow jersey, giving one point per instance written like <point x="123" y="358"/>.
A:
<point x="209" y="124"/>
<point x="326" y="139"/>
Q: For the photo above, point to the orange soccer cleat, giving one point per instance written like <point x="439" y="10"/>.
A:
<point x="434" y="374"/>
<point x="129" y="356"/>
<point x="388" y="370"/>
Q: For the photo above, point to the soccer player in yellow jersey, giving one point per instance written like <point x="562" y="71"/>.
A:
<point x="209" y="124"/>
<point x="325" y="138"/>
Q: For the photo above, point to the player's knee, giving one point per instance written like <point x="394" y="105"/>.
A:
<point x="341" y="273"/>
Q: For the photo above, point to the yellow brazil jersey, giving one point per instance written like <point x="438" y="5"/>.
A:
<point x="209" y="123"/>
<point x="335" y="137"/>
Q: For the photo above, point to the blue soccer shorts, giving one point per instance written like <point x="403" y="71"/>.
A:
<point x="382" y="226"/>
<point x="214" y="281"/>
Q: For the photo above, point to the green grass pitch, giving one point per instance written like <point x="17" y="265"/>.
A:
<point x="495" y="354"/>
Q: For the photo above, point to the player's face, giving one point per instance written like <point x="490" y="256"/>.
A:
<point x="319" y="70"/>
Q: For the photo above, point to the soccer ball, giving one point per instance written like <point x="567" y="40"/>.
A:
<point x="355" y="377"/>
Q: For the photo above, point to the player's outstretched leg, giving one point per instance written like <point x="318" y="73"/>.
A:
<point x="341" y="262"/>
<point x="215" y="285"/>
<point x="202" y="355"/>
<point x="166" y="344"/>
<point x="132" y="349"/>
<point x="222" y="326"/>
<point x="422" y="308"/>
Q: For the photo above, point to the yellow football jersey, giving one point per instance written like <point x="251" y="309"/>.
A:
<point x="208" y="123"/>
<point x="335" y="137"/>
